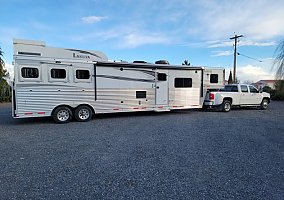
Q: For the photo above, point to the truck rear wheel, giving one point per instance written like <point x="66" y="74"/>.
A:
<point x="264" y="104"/>
<point x="83" y="113"/>
<point x="226" y="106"/>
<point x="62" y="115"/>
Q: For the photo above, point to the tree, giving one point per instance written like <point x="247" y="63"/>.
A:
<point x="279" y="61"/>
<point x="230" y="80"/>
<point x="3" y="72"/>
<point x="5" y="93"/>
<point x="186" y="62"/>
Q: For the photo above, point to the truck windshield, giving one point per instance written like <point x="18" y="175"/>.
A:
<point x="231" y="88"/>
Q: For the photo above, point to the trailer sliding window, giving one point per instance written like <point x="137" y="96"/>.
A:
<point x="58" y="73"/>
<point x="183" y="82"/>
<point x="29" y="72"/>
<point x="82" y="74"/>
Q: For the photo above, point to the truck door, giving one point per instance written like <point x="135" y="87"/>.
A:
<point x="162" y="87"/>
<point x="245" y="95"/>
<point x="255" y="96"/>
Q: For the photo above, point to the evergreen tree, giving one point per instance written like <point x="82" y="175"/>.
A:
<point x="230" y="80"/>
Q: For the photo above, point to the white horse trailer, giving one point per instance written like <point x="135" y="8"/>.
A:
<point x="65" y="83"/>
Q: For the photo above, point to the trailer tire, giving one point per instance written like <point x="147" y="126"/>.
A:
<point x="226" y="106"/>
<point x="83" y="113"/>
<point x="264" y="104"/>
<point x="62" y="115"/>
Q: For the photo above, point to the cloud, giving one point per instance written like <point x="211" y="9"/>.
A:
<point x="217" y="44"/>
<point x="254" y="73"/>
<point x="93" y="19"/>
<point x="258" y="20"/>
<point x="133" y="40"/>
<point x="222" y="53"/>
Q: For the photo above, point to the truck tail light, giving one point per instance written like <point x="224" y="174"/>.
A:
<point x="211" y="96"/>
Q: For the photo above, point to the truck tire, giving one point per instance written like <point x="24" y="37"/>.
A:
<point x="264" y="104"/>
<point x="62" y="115"/>
<point x="226" y="106"/>
<point x="83" y="113"/>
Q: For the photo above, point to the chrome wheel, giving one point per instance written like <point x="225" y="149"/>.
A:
<point x="83" y="113"/>
<point x="226" y="106"/>
<point x="62" y="114"/>
<point x="264" y="104"/>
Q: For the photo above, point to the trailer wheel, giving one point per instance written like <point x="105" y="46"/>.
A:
<point x="83" y="113"/>
<point x="264" y="104"/>
<point x="226" y="106"/>
<point x="62" y="115"/>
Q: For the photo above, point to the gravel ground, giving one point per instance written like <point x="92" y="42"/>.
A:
<point x="172" y="155"/>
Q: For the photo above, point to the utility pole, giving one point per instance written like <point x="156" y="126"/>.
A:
<point x="235" y="55"/>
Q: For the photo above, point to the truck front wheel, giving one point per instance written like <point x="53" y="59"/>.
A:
<point x="226" y="106"/>
<point x="264" y="104"/>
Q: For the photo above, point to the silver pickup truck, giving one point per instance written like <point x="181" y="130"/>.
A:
<point x="237" y="95"/>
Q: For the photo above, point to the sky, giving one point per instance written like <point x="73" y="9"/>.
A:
<point x="151" y="30"/>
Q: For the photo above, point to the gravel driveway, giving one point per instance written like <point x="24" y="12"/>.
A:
<point x="172" y="155"/>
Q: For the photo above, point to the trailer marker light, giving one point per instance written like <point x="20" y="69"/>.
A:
<point x="28" y="113"/>
<point x="41" y="113"/>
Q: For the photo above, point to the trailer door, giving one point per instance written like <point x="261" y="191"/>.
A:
<point x="162" y="87"/>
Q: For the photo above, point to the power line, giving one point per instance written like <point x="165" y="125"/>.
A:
<point x="249" y="57"/>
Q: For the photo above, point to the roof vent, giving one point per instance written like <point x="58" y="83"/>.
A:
<point x="164" y="62"/>
<point x="139" y="61"/>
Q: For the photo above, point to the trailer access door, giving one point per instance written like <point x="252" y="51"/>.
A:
<point x="162" y="87"/>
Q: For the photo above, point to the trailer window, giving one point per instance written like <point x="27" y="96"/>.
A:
<point x="183" y="82"/>
<point x="29" y="72"/>
<point x="82" y="74"/>
<point x="140" y="94"/>
<point x="58" y="73"/>
<point x="162" y="77"/>
<point x="213" y="78"/>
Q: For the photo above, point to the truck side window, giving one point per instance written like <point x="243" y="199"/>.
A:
<point x="244" y="88"/>
<point x="213" y="78"/>
<point x="253" y="89"/>
<point x="29" y="72"/>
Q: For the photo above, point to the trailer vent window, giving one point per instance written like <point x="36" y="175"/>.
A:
<point x="214" y="78"/>
<point x="162" y="77"/>
<point x="140" y="94"/>
<point x="82" y="74"/>
<point x="58" y="73"/>
<point x="29" y="72"/>
<point x="183" y="82"/>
